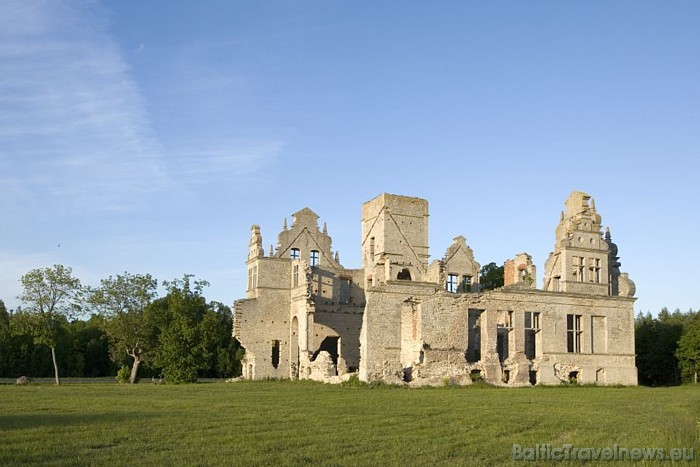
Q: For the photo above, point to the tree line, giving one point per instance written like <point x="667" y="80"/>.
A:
<point x="668" y="347"/>
<point x="178" y="337"/>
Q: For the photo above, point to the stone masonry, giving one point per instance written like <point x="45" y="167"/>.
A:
<point x="403" y="319"/>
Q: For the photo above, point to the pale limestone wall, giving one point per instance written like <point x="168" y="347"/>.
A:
<point x="396" y="319"/>
<point x="259" y="322"/>
<point x="433" y="329"/>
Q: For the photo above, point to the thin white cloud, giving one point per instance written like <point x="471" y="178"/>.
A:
<point x="225" y="160"/>
<point x="73" y="126"/>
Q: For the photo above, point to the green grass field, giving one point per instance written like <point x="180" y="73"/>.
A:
<point x="270" y="422"/>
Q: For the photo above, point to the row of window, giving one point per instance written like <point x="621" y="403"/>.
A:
<point x="455" y="285"/>
<point x="313" y="256"/>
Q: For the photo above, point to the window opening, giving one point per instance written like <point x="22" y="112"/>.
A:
<point x="314" y="258"/>
<point x="573" y="333"/>
<point x="275" y="353"/>
<point x="451" y="285"/>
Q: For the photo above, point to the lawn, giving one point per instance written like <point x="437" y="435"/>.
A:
<point x="270" y="422"/>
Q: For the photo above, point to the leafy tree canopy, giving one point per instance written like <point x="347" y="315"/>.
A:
<point x="491" y="276"/>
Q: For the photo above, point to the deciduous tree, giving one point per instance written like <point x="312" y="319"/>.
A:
<point x="52" y="297"/>
<point x="491" y="276"/>
<point x="183" y="330"/>
<point x="688" y="352"/>
<point x="122" y="301"/>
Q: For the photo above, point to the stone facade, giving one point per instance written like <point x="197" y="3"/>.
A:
<point x="403" y="319"/>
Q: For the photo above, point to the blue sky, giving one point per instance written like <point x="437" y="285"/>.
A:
<point x="148" y="136"/>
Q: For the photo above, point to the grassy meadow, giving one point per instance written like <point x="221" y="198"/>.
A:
<point x="290" y="423"/>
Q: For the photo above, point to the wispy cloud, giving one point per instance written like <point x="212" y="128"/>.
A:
<point x="225" y="160"/>
<point x="73" y="126"/>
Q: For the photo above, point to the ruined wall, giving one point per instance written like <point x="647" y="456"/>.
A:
<point x="398" y="319"/>
<point x="259" y="323"/>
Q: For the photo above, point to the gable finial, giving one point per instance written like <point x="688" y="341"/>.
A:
<point x="284" y="224"/>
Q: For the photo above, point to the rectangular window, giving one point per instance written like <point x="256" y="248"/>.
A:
<point x="573" y="333"/>
<point x="557" y="286"/>
<point x="252" y="277"/>
<point x="314" y="258"/>
<point x="345" y="290"/>
<point x="295" y="276"/>
<point x="275" y="353"/>
<point x="294" y="253"/>
<point x="466" y="285"/>
<point x="578" y="268"/>
<point x="596" y="271"/>
<point x="532" y="328"/>
<point x="451" y="285"/>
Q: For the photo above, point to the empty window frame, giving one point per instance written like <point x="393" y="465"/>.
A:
<point x="314" y="257"/>
<point x="594" y="270"/>
<point x="275" y="353"/>
<point x="573" y="333"/>
<point x="578" y="268"/>
<point x="466" y="285"/>
<point x="294" y="253"/>
<point x="451" y="285"/>
<point x="295" y="276"/>
<point x="532" y="328"/>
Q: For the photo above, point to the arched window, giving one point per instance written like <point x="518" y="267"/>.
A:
<point x="404" y="275"/>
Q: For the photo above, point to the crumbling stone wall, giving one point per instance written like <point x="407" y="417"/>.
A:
<point x="401" y="320"/>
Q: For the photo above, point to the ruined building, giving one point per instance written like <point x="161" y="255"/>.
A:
<point x="402" y="318"/>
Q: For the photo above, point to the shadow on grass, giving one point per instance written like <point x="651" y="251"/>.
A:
<point x="31" y="421"/>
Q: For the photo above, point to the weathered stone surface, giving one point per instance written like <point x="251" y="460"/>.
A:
<point x="24" y="380"/>
<point x="403" y="320"/>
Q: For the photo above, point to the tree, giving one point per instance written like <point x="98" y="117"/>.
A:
<point x="52" y="296"/>
<point x="688" y="352"/>
<point x="183" y="330"/>
<point x="122" y="301"/>
<point x="491" y="277"/>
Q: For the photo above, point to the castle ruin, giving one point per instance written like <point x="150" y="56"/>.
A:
<point x="402" y="319"/>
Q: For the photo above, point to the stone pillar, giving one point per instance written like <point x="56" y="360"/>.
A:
<point x="489" y="355"/>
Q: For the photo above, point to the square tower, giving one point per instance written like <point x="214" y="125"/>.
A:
<point x="395" y="238"/>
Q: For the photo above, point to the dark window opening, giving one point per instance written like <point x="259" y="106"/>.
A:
<point x="466" y="285"/>
<point x="314" y="258"/>
<point x="404" y="275"/>
<point x="573" y="333"/>
<point x="529" y="344"/>
<point x="532" y="327"/>
<point x="294" y="253"/>
<point x="408" y="374"/>
<point x="573" y="377"/>
<point x="275" y="353"/>
<point x="502" y="344"/>
<point x="474" y="338"/>
<point x="506" y="376"/>
<point x="533" y="377"/>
